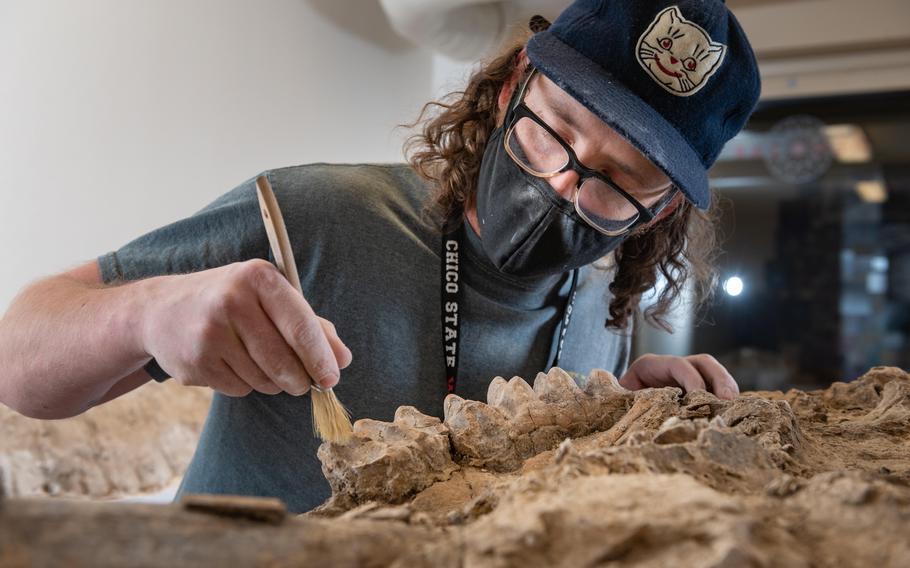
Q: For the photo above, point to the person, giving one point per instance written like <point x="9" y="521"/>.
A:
<point x="534" y="211"/>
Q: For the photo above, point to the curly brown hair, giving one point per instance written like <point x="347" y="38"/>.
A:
<point x="448" y="149"/>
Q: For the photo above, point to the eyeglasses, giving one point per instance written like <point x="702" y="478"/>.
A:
<point x="541" y="152"/>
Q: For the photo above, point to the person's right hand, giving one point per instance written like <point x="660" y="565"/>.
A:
<point x="239" y="328"/>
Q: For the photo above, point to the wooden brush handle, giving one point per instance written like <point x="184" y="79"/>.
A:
<point x="278" y="239"/>
<point x="278" y="233"/>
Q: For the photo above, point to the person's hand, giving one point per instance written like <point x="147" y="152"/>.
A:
<point x="691" y="373"/>
<point x="239" y="328"/>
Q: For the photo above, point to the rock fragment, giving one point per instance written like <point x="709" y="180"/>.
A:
<point x="677" y="431"/>
<point x="388" y="462"/>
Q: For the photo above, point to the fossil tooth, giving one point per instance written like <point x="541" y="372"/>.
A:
<point x="387" y="461"/>
<point x="450" y="406"/>
<point x="603" y="383"/>
<point x="510" y="396"/>
<point x="495" y="391"/>
<point x="413" y="418"/>
<point x="480" y="434"/>
<point x="368" y="428"/>
<point x="555" y="386"/>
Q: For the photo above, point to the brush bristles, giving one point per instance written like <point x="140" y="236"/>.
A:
<point x="331" y="420"/>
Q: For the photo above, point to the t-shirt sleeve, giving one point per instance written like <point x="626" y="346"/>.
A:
<point x="227" y="230"/>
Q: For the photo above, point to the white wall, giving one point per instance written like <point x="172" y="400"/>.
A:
<point x="119" y="116"/>
<point x="450" y="74"/>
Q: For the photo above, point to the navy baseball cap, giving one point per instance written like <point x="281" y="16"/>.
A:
<point x="677" y="79"/>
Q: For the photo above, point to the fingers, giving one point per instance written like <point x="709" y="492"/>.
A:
<point x="686" y="374"/>
<point x="630" y="380"/>
<point x="692" y="373"/>
<point x="341" y="351"/>
<point x="228" y="382"/>
<point x="638" y="371"/>
<point x="268" y="351"/>
<point x="662" y="371"/>
<point x="240" y="361"/>
<point x="243" y="327"/>
<point x="716" y="376"/>
<point x="301" y="329"/>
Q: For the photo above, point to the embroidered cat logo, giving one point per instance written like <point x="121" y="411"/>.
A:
<point x="679" y="54"/>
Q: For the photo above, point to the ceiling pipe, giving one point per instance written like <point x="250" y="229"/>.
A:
<point x="464" y="29"/>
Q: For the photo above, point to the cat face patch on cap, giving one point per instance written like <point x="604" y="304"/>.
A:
<point x="679" y="54"/>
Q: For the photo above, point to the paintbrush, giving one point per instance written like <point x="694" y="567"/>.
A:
<point x="331" y="420"/>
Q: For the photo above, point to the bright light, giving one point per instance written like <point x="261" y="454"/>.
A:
<point x="849" y="143"/>
<point x="733" y="285"/>
<point x="872" y="191"/>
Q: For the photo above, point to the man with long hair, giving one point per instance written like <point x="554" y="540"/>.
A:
<point x="538" y="205"/>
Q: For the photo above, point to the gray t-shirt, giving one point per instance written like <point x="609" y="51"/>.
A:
<point x="369" y="261"/>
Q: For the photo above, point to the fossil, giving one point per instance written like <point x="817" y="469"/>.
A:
<point x="561" y="472"/>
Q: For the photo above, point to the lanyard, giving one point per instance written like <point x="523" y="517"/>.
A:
<point x="451" y="302"/>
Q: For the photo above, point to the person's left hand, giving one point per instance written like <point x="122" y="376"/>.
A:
<point x="691" y="373"/>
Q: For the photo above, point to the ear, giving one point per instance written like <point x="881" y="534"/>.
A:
<point x="716" y="52"/>
<point x="505" y="94"/>
<point x="670" y="16"/>
<point x="666" y="18"/>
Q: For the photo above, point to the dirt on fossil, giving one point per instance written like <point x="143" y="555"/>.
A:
<point x="555" y="474"/>
<point x="593" y="475"/>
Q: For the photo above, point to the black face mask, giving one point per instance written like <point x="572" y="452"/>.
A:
<point x="526" y="228"/>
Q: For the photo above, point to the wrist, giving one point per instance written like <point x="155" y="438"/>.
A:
<point x="140" y="317"/>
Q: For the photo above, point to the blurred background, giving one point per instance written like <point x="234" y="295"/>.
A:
<point x="121" y="116"/>
<point x="815" y="271"/>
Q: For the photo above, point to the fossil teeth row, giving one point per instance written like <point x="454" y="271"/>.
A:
<point x="388" y="462"/>
<point x="521" y="421"/>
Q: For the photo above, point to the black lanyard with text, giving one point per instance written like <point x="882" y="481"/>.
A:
<point x="451" y="301"/>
